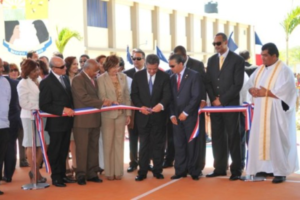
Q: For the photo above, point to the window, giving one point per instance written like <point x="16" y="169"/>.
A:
<point x="97" y="13"/>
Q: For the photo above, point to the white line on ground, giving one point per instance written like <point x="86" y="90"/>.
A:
<point x="155" y="189"/>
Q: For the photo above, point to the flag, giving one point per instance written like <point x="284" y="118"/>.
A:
<point x="160" y="55"/>
<point x="231" y="44"/>
<point x="258" y="46"/>
<point x="129" y="56"/>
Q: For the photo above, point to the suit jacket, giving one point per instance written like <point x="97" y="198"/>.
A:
<point x="85" y="94"/>
<point x="53" y="98"/>
<point x="107" y="91"/>
<point x="14" y="106"/>
<point x="198" y="66"/>
<point x="140" y="95"/>
<point x="130" y="72"/>
<point x="29" y="97"/>
<point x="227" y="82"/>
<point x="188" y="97"/>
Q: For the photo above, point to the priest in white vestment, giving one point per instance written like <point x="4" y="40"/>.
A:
<point x="272" y="144"/>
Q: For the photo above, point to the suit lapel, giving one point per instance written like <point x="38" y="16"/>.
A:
<point x="225" y="63"/>
<point x="58" y="84"/>
<point x="89" y="82"/>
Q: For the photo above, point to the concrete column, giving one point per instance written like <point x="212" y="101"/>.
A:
<point x="216" y="26"/>
<point x="111" y="22"/>
<point x="204" y="35"/>
<point x="190" y="33"/>
<point x="135" y="25"/>
<point x="174" y="34"/>
<point x="237" y="34"/>
<point x="227" y="29"/>
<point x="156" y="26"/>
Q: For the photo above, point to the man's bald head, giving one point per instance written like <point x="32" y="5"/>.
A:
<point x="91" y="67"/>
<point x="58" y="66"/>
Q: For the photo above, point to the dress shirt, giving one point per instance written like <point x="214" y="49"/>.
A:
<point x="224" y="54"/>
<point x="5" y="97"/>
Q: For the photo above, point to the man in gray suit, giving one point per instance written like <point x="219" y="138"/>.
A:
<point x="87" y="127"/>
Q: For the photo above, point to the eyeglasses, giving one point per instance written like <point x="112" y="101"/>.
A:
<point x="216" y="43"/>
<point x="172" y="66"/>
<point x="62" y="67"/>
<point x="137" y="58"/>
<point x="13" y="70"/>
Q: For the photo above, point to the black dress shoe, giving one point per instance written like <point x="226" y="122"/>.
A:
<point x="140" y="177"/>
<point x="195" y="178"/>
<point x="264" y="174"/>
<point x="81" y="181"/>
<point x="58" y="183"/>
<point x="178" y="176"/>
<point x="215" y="174"/>
<point x="131" y="168"/>
<point x="68" y="180"/>
<point x="159" y="176"/>
<point x="167" y="164"/>
<point x="24" y="163"/>
<point x="1" y="192"/>
<point x="234" y="177"/>
<point x="7" y="180"/>
<point x="95" y="179"/>
<point x="279" y="179"/>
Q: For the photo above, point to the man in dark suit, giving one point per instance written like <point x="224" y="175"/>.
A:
<point x="138" y="58"/>
<point x="197" y="66"/>
<point x="87" y="127"/>
<point x="186" y="97"/>
<point x="10" y="158"/>
<point x="249" y="68"/>
<point x="56" y="98"/>
<point x="151" y="91"/>
<point x="225" y="76"/>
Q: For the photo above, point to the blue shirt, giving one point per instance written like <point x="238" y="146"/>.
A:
<point x="5" y="96"/>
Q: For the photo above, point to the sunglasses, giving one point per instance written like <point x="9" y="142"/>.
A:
<point x="137" y="58"/>
<point x="82" y="61"/>
<point x="13" y="70"/>
<point x="172" y="66"/>
<point x="216" y="43"/>
<point x="62" y="67"/>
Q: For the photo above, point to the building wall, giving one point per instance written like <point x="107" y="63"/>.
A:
<point x="131" y="23"/>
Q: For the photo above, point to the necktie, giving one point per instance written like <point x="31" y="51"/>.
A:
<point x="62" y="81"/>
<point x="93" y="82"/>
<point x="150" y="85"/>
<point x="178" y="81"/>
<point x="221" y="62"/>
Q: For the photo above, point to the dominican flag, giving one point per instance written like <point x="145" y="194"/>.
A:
<point x="231" y="44"/>
<point x="258" y="46"/>
<point x="128" y="56"/>
<point x="164" y="64"/>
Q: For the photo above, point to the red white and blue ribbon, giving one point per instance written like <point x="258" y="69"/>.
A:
<point x="246" y="108"/>
<point x="40" y="130"/>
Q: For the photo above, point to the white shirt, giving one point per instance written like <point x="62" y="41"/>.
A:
<point x="224" y="54"/>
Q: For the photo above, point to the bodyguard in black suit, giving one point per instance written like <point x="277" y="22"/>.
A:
<point x="138" y="59"/>
<point x="197" y="66"/>
<point x="151" y="91"/>
<point x="225" y="76"/>
<point x="10" y="158"/>
<point x="185" y="84"/>
<point x="56" y="98"/>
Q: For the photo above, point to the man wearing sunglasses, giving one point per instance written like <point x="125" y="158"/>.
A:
<point x="186" y="97"/>
<point x="82" y="60"/>
<point x="225" y="76"/>
<point x="56" y="98"/>
<point x="138" y="58"/>
<point x="197" y="66"/>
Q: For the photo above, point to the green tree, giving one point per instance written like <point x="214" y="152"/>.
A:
<point x="294" y="57"/>
<point x="64" y="36"/>
<point x="289" y="24"/>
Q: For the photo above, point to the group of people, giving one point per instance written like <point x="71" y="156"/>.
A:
<point x="168" y="102"/>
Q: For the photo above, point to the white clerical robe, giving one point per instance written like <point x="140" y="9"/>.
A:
<point x="283" y="144"/>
